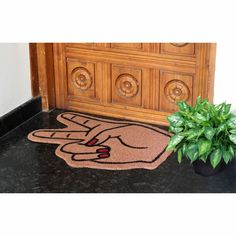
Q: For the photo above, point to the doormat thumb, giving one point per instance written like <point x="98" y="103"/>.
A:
<point x="91" y="142"/>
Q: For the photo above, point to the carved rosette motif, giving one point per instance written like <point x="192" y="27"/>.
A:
<point x="127" y="85"/>
<point x="176" y="90"/>
<point x="81" y="78"/>
<point x="179" y="44"/>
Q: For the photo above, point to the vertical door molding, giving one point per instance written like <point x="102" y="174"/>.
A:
<point x="46" y="75"/>
<point x="205" y="71"/>
<point x="34" y="69"/>
<point x="60" y="74"/>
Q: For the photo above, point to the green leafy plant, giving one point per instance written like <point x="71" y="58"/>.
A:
<point x="204" y="132"/>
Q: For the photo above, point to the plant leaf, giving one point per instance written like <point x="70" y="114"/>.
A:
<point x="211" y="109"/>
<point x="226" y="156"/>
<point x="180" y="155"/>
<point x="233" y="131"/>
<point x="197" y="104"/>
<point x="219" y="107"/>
<point x="216" y="157"/>
<point x="209" y="132"/>
<point x="176" y="120"/>
<point x="232" y="138"/>
<point x="204" y="102"/>
<point x="204" y="157"/>
<point x="175" y="129"/>
<point x="192" y="152"/>
<point x="200" y="118"/>
<point x="232" y="122"/>
<point x="184" y="148"/>
<point x="204" y="146"/>
<point x="222" y="127"/>
<point x="183" y="106"/>
<point x="190" y="124"/>
<point x="231" y="150"/>
<point x="193" y="133"/>
<point x="174" y="140"/>
<point x="226" y="109"/>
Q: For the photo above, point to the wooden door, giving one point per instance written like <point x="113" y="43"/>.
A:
<point x="137" y="81"/>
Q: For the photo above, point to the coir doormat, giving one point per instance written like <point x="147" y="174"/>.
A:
<point x="99" y="143"/>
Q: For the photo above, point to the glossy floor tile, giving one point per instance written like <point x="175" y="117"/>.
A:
<point x="27" y="167"/>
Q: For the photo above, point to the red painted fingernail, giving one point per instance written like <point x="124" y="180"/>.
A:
<point x="92" y="142"/>
<point x="103" y="150"/>
<point x="104" y="155"/>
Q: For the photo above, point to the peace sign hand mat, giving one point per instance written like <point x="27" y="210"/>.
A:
<point x="91" y="142"/>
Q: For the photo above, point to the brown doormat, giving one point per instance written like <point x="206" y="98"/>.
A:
<point x="99" y="143"/>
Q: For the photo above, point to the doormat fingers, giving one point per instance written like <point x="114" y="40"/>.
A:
<point x="91" y="142"/>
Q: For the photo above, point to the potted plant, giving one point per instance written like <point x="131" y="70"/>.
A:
<point x="205" y="134"/>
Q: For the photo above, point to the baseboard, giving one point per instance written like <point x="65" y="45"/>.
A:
<point x="19" y="115"/>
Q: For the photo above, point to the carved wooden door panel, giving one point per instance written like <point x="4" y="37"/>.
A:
<point x="138" y="81"/>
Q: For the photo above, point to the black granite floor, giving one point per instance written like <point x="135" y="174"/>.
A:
<point x="27" y="167"/>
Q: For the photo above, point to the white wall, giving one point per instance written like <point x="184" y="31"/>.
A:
<point x="225" y="78"/>
<point x="15" y="87"/>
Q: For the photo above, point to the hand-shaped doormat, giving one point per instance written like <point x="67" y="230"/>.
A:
<point x="105" y="144"/>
